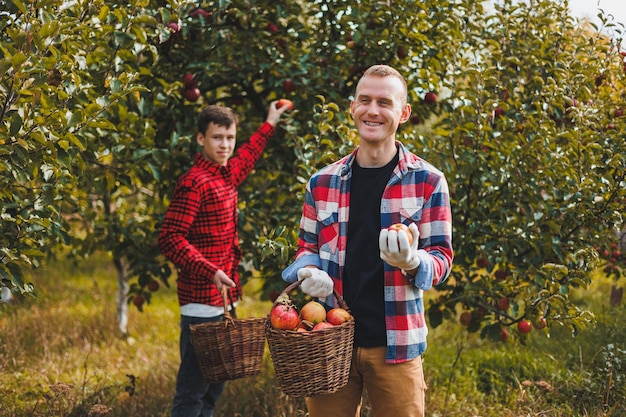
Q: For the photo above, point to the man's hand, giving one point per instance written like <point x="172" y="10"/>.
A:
<point x="396" y="250"/>
<point x="315" y="282"/>
<point x="274" y="113"/>
<point x="220" y="278"/>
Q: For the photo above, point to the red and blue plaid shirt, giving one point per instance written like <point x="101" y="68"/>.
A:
<point x="417" y="192"/>
<point x="199" y="233"/>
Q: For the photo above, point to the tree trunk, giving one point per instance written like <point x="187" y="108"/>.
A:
<point x="122" y="294"/>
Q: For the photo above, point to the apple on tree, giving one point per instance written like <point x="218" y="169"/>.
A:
<point x="192" y="94"/>
<point x="524" y="326"/>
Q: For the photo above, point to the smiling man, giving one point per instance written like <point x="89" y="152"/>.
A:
<point x="345" y="242"/>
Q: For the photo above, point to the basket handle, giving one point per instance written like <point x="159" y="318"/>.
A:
<point x="340" y="301"/>
<point x="228" y="318"/>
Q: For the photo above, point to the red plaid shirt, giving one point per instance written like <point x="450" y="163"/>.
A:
<point x="199" y="233"/>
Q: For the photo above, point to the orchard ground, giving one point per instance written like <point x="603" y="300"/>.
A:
<point x="62" y="356"/>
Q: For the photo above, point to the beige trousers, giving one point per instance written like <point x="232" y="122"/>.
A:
<point x="394" y="390"/>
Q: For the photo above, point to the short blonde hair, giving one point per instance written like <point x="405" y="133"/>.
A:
<point x="382" y="70"/>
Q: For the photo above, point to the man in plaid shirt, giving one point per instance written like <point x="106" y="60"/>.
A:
<point x="199" y="235"/>
<point x="345" y="243"/>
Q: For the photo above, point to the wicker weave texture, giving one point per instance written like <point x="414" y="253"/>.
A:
<point x="229" y="349"/>
<point x="311" y="363"/>
<point x="314" y="362"/>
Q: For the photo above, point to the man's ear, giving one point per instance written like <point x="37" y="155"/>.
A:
<point x="200" y="139"/>
<point x="406" y="113"/>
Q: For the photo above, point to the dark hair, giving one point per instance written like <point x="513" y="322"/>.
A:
<point x="220" y="115"/>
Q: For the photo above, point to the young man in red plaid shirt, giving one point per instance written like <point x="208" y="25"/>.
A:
<point x="345" y="243"/>
<point x="199" y="235"/>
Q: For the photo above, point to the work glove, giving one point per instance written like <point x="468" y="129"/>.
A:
<point x="396" y="250"/>
<point x="315" y="282"/>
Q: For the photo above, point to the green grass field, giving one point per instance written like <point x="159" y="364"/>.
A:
<point x="62" y="356"/>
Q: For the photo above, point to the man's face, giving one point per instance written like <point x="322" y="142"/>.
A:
<point x="378" y="108"/>
<point x="218" y="142"/>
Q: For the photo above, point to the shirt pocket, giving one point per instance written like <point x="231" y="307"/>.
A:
<point x="328" y="238"/>
<point x="412" y="212"/>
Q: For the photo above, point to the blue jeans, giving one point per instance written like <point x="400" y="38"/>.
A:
<point x="194" y="397"/>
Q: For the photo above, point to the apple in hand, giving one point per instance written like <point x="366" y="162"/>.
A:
<point x="284" y="102"/>
<point x="401" y="226"/>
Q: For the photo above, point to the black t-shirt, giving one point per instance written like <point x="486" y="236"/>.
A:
<point x="363" y="275"/>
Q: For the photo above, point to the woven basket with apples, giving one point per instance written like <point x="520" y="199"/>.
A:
<point x="311" y="348"/>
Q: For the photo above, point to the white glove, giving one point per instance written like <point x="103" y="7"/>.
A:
<point x="396" y="250"/>
<point x="317" y="283"/>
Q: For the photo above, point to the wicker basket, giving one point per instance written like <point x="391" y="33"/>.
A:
<point x="311" y="363"/>
<point x="229" y="349"/>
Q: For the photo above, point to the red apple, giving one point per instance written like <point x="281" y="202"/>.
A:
<point x="313" y="312"/>
<point x="430" y="98"/>
<point x="540" y="323"/>
<point x="524" y="326"/>
<point x="153" y="285"/>
<point x="501" y="274"/>
<point x="482" y="262"/>
<point x="284" y="102"/>
<point x="284" y="317"/>
<point x="139" y="300"/>
<point x="173" y="27"/>
<point x="503" y="304"/>
<point x="289" y="85"/>
<point x="192" y="94"/>
<point x="401" y="226"/>
<point x="466" y="318"/>
<point x="337" y="316"/>
<point x="206" y="15"/>
<point x="322" y="325"/>
<point x="619" y="113"/>
<point x="498" y="112"/>
<point x="416" y="120"/>
<point x="190" y="81"/>
<point x="271" y="27"/>
<point x="504" y="334"/>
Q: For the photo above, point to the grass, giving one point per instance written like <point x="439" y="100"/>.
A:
<point x="62" y="356"/>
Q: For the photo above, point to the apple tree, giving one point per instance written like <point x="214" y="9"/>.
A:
<point x="531" y="136"/>
<point x="78" y="164"/>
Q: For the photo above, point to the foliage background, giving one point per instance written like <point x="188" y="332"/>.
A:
<point x="527" y="123"/>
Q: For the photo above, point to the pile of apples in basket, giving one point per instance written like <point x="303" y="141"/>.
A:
<point x="311" y="317"/>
